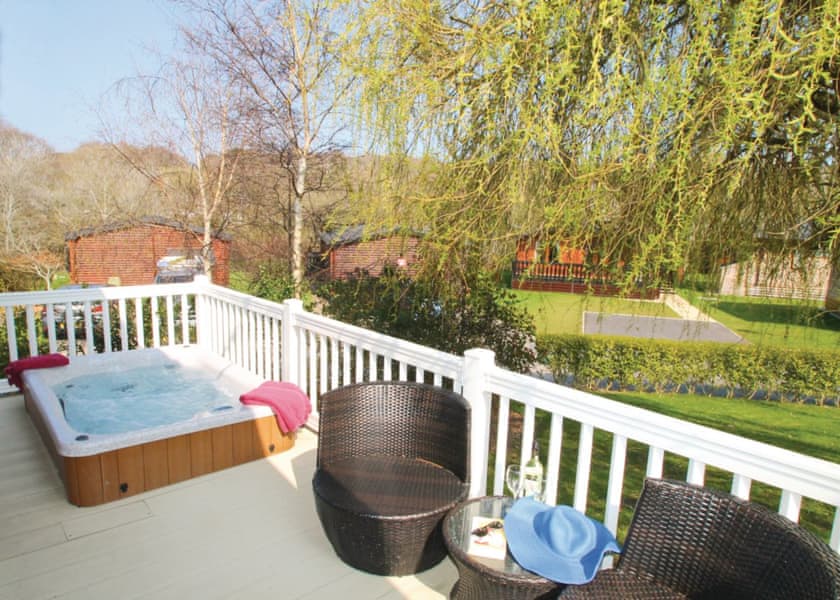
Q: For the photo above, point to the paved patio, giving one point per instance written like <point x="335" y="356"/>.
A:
<point x="691" y="324"/>
<point x="667" y="328"/>
<point x="247" y="532"/>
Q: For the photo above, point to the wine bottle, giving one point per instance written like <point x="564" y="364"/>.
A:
<point x="532" y="474"/>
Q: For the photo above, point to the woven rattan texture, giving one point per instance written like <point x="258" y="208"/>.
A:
<point x="393" y="458"/>
<point x="477" y="583"/>
<point x="701" y="543"/>
<point x="616" y="585"/>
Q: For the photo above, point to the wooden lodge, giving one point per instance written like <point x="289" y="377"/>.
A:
<point x="558" y="268"/>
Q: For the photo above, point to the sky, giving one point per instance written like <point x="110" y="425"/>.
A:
<point x="59" y="58"/>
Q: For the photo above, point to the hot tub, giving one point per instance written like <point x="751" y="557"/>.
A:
<point x="112" y="461"/>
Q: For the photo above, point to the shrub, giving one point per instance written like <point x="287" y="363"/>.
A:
<point x="275" y="283"/>
<point x="699" y="367"/>
<point x="476" y="315"/>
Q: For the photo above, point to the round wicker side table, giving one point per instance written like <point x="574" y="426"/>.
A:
<point x="486" y="578"/>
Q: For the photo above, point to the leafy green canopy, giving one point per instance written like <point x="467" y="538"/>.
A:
<point x="667" y="135"/>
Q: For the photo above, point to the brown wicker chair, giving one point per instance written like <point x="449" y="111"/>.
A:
<point x="393" y="458"/>
<point x="690" y="542"/>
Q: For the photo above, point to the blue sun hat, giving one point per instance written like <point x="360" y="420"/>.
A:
<point x="557" y="542"/>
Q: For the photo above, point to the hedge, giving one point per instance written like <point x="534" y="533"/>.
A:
<point x="744" y="370"/>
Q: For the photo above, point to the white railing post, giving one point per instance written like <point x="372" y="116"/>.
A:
<point x="203" y="322"/>
<point x="477" y="364"/>
<point x="289" y="347"/>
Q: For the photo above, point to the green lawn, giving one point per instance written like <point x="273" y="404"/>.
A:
<point x="807" y="429"/>
<point x="810" y="430"/>
<point x="791" y="323"/>
<point x="556" y="313"/>
<point x="773" y="321"/>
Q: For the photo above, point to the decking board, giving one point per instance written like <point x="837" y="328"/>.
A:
<point x="246" y="532"/>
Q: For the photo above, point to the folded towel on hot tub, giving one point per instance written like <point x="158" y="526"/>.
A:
<point x="290" y="404"/>
<point x="17" y="367"/>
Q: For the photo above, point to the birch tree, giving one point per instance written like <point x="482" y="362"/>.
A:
<point x="285" y="54"/>
<point x="194" y="113"/>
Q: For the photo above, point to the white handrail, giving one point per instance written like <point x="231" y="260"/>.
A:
<point x="318" y="353"/>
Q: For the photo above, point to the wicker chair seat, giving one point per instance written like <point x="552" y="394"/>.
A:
<point x="389" y="487"/>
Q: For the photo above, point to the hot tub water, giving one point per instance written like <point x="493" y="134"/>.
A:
<point x="139" y="398"/>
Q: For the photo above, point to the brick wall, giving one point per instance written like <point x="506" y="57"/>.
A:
<point x="372" y="256"/>
<point x="131" y="254"/>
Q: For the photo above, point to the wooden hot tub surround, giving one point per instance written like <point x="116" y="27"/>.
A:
<point x="114" y="474"/>
<point x="92" y="480"/>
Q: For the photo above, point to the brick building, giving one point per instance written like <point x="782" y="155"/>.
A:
<point x="128" y="253"/>
<point x="350" y="251"/>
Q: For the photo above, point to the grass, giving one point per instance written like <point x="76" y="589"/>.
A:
<point x="807" y="429"/>
<point x="556" y="313"/>
<point x="773" y="321"/>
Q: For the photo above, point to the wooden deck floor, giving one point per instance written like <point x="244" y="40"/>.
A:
<point x="246" y="532"/>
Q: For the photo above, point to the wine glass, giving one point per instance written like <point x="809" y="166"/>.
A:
<point x="513" y="478"/>
<point x="534" y="487"/>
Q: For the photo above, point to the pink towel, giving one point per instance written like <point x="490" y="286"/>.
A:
<point x="17" y="367"/>
<point x="290" y="404"/>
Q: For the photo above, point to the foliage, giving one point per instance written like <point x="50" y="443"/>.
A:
<point x="30" y="242"/>
<point x="16" y="280"/>
<point x="196" y="108"/>
<point x="658" y="134"/>
<point x="274" y="282"/>
<point x="700" y="367"/>
<point x="285" y="57"/>
<point x="22" y="341"/>
<point x="478" y="314"/>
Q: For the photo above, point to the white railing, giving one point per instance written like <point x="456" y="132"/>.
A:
<point x="103" y="319"/>
<point x="319" y="354"/>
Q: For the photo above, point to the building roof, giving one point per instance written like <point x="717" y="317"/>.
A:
<point x="150" y="220"/>
<point x="356" y="233"/>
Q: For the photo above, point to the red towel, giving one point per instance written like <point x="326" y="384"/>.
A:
<point x="290" y="404"/>
<point x="17" y="367"/>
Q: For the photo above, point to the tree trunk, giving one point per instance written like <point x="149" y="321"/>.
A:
<point x="207" y="250"/>
<point x="297" y="225"/>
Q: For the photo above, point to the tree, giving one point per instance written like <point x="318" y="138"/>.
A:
<point x="264" y="197"/>
<point x="664" y="135"/>
<point x="95" y="185"/>
<point x="194" y="112"/>
<point x="32" y="239"/>
<point x="43" y="264"/>
<point x="285" y="54"/>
